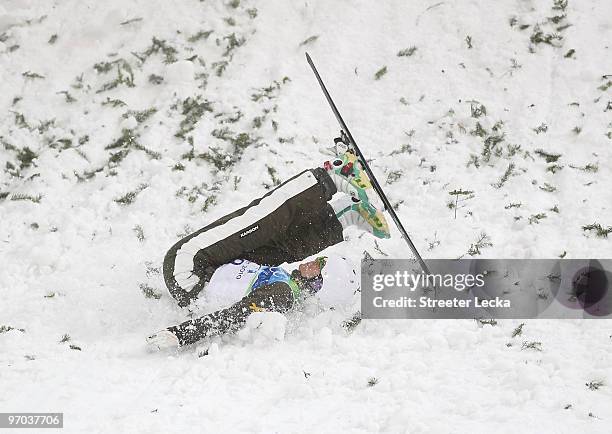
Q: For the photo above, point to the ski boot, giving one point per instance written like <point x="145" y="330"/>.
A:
<point x="363" y="215"/>
<point x="349" y="177"/>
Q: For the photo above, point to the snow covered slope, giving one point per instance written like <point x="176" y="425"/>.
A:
<point x="126" y="125"/>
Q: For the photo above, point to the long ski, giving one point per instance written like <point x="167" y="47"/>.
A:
<point x="348" y="140"/>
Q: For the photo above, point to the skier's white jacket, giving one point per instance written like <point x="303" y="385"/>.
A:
<point x="233" y="281"/>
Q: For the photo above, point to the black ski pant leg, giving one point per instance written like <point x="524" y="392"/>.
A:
<point x="312" y="230"/>
<point x="276" y="297"/>
<point x="287" y="224"/>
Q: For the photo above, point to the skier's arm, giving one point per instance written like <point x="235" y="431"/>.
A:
<point x="275" y="297"/>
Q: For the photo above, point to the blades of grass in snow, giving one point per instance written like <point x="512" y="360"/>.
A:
<point x="202" y="34"/>
<point x="192" y="110"/>
<point x="32" y="75"/>
<point x="159" y="46"/>
<point x="535" y="218"/>
<point x="113" y="102"/>
<point x="309" y="40"/>
<point x="140" y="115"/>
<point x="149" y="292"/>
<point x="8" y="328"/>
<point x="372" y="381"/>
<point x="594" y="385"/>
<point x="507" y="174"/>
<point x="407" y="52"/>
<point x="600" y="231"/>
<point x="590" y="167"/>
<point x="460" y="196"/>
<point x="482" y="242"/>
<point x="548" y="188"/>
<point x="67" y="95"/>
<point x="352" y="322"/>
<point x="380" y="73"/>
<point x="233" y="42"/>
<point x="125" y="74"/>
<point x="533" y="345"/>
<point x="131" y="21"/>
<point x="549" y="157"/>
<point x="26" y="197"/>
<point x="130" y="197"/>
<point x="269" y="92"/>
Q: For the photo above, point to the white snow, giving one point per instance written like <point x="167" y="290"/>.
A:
<point x="77" y="260"/>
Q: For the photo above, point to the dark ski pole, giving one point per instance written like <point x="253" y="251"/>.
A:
<point x="366" y="167"/>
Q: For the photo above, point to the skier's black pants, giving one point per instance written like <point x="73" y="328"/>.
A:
<point x="288" y="224"/>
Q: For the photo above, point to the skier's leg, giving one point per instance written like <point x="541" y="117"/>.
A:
<point x="319" y="226"/>
<point x="310" y="233"/>
<point x="257" y="232"/>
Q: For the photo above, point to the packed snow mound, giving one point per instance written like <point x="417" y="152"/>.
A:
<point x="264" y="326"/>
<point x="341" y="283"/>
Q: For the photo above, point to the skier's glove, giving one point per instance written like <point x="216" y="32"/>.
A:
<point x="162" y="340"/>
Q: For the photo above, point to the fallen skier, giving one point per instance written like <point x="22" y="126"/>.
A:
<point x="288" y="224"/>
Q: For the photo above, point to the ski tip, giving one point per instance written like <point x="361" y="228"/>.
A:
<point x="308" y="56"/>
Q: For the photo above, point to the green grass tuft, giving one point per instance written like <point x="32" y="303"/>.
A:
<point x="600" y="231"/>
<point x="380" y="73"/>
<point x="130" y="197"/>
<point x="407" y="52"/>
